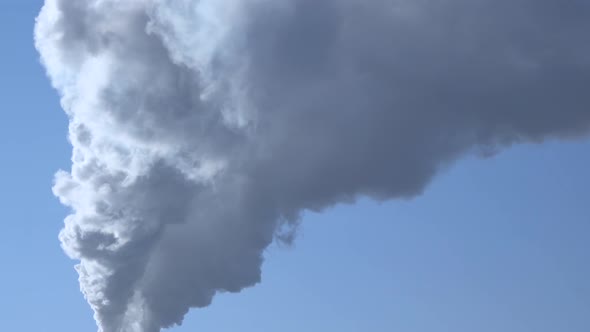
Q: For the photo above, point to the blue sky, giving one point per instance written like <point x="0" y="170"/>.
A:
<point x="493" y="245"/>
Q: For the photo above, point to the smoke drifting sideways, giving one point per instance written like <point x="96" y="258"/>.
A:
<point x="202" y="129"/>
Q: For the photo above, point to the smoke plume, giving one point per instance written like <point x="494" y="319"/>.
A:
<point x="202" y="129"/>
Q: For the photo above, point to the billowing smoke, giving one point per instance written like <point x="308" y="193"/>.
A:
<point x="202" y="129"/>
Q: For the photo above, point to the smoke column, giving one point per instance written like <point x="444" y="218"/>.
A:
<point x="202" y="129"/>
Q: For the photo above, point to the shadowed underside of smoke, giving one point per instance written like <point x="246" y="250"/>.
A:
<point x="201" y="129"/>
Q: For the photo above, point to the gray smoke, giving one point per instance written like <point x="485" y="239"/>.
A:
<point x="202" y="129"/>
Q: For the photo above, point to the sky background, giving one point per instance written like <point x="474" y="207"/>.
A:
<point x="500" y="244"/>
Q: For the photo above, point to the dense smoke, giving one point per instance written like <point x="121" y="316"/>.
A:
<point x="202" y="129"/>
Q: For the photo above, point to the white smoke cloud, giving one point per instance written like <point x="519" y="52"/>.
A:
<point x="201" y="129"/>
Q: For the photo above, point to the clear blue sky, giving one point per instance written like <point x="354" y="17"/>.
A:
<point x="493" y="245"/>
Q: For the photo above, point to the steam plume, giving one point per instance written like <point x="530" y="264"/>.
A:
<point x="201" y="129"/>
